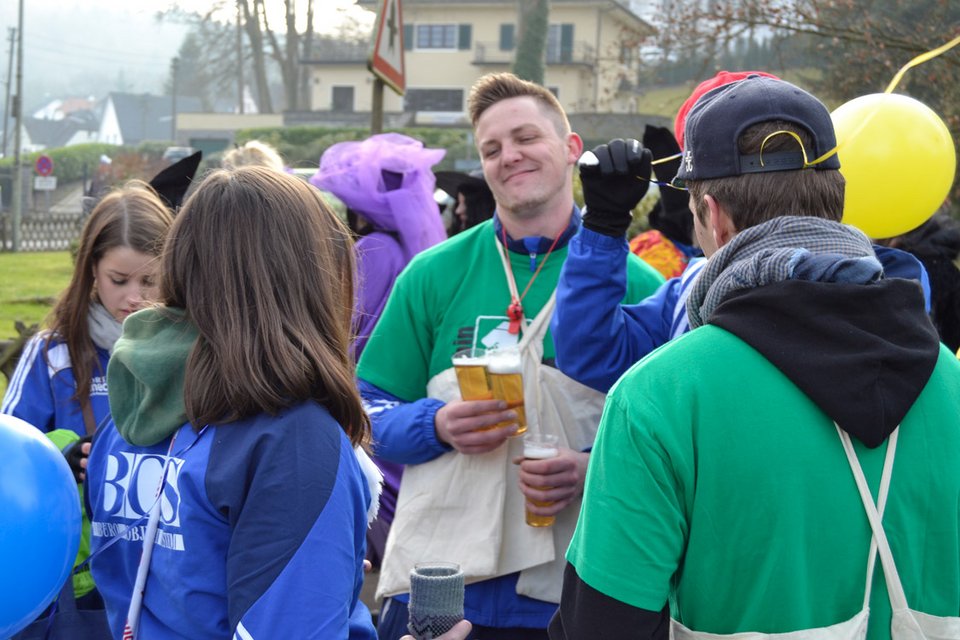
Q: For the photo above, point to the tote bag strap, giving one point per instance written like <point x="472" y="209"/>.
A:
<point x="898" y="600"/>
<point x="89" y="424"/>
<point x="67" y="601"/>
<point x="538" y="328"/>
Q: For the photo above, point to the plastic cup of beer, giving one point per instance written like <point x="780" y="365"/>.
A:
<point x="505" y="367"/>
<point x="540" y="446"/>
<point x="471" y="367"/>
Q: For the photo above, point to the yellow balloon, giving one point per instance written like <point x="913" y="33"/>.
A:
<point x="898" y="160"/>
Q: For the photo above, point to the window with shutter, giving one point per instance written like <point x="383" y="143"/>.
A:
<point x="436" y="36"/>
<point x="433" y="100"/>
<point x="507" y="37"/>
<point x="566" y="42"/>
<point x="560" y="43"/>
<point x="466" y="34"/>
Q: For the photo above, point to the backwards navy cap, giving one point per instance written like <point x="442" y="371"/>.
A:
<point x="720" y="116"/>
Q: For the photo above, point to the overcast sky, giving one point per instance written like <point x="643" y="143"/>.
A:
<point x="91" y="47"/>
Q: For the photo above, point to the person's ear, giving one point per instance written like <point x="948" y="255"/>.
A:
<point x="720" y="221"/>
<point x="574" y="148"/>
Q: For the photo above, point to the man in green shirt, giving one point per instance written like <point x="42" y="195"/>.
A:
<point x="462" y="496"/>
<point x="719" y="490"/>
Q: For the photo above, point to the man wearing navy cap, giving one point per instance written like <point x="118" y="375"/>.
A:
<point x="597" y="336"/>
<point x="722" y="489"/>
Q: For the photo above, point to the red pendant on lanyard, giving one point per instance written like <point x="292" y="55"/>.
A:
<point x="515" y="309"/>
<point x="515" y="313"/>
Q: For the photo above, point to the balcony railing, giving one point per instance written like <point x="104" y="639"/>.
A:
<point x="330" y="51"/>
<point x="582" y="53"/>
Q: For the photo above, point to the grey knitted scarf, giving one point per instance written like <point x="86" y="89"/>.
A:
<point x="785" y="248"/>
<point x="104" y="328"/>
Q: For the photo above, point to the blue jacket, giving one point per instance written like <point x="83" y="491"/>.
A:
<point x="597" y="339"/>
<point x="42" y="388"/>
<point x="41" y="392"/>
<point x="261" y="535"/>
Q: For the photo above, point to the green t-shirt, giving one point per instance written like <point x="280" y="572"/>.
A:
<point x="455" y="295"/>
<point x="83" y="581"/>
<point x="717" y="484"/>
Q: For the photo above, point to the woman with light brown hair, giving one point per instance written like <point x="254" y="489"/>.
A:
<point x="60" y="383"/>
<point x="236" y="396"/>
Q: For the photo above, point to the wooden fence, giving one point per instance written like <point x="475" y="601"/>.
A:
<point x="42" y="231"/>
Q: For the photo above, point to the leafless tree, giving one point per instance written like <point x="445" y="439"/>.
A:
<point x="853" y="47"/>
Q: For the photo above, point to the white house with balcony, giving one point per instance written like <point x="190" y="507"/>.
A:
<point x="592" y="58"/>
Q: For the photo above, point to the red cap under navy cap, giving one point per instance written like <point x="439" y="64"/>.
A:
<point x="722" y="78"/>
<point x="717" y="120"/>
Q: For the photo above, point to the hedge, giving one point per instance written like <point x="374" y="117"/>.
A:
<point x="302" y="146"/>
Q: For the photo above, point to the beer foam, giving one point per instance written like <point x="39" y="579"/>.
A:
<point x="469" y="361"/>
<point x="505" y="362"/>
<point x="539" y="451"/>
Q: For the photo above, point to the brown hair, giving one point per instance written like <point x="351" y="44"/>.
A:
<point x="264" y="269"/>
<point x="753" y="198"/>
<point x="494" y="87"/>
<point x="132" y="216"/>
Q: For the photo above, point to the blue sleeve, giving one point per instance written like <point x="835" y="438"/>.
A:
<point x="30" y="395"/>
<point x="900" y="264"/>
<point x="596" y="337"/>
<point x="403" y="432"/>
<point x="296" y="502"/>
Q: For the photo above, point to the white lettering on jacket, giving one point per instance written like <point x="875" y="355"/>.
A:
<point x="130" y="487"/>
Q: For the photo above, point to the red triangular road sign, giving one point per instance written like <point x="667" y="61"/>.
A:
<point x="386" y="61"/>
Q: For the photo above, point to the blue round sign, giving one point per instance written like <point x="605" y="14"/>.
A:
<point x="44" y="165"/>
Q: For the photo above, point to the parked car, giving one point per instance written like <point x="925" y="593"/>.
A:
<point x="175" y="154"/>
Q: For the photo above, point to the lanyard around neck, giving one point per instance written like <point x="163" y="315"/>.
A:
<point x="515" y="308"/>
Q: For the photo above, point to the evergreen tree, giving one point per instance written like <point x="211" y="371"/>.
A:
<point x="532" y="26"/>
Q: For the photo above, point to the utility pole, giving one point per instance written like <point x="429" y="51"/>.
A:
<point x="18" y="116"/>
<point x="173" y="107"/>
<point x="376" y="108"/>
<point x="6" y="100"/>
<point x="239" y="59"/>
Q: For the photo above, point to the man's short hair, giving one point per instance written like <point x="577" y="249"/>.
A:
<point x="763" y="148"/>
<point x="494" y="87"/>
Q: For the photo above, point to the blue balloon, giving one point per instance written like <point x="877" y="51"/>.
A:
<point x="39" y="523"/>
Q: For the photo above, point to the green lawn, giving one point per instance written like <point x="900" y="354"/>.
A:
<point x="29" y="283"/>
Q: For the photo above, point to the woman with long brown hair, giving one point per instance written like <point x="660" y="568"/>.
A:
<point x="60" y="383"/>
<point x="236" y="395"/>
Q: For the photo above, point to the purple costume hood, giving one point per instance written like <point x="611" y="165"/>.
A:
<point x="406" y="219"/>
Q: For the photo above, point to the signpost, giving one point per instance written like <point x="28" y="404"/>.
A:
<point x="44" y="180"/>
<point x="45" y="183"/>
<point x="44" y="165"/>
<point x="386" y="60"/>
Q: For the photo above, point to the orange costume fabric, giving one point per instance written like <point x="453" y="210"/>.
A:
<point x="660" y="253"/>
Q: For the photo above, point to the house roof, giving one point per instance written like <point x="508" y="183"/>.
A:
<point x="57" y="133"/>
<point x="71" y="105"/>
<point x="142" y="116"/>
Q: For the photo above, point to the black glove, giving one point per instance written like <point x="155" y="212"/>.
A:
<point x="672" y="216"/>
<point x="74" y="455"/>
<point x="614" y="186"/>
